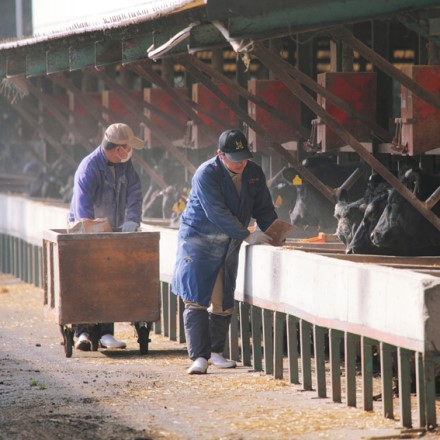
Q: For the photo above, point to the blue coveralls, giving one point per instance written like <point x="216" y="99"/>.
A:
<point x="212" y="228"/>
<point x="98" y="193"/>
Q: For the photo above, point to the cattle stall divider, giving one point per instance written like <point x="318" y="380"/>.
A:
<point x="297" y="314"/>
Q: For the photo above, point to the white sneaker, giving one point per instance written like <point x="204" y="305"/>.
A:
<point x="199" y="366"/>
<point x="219" y="361"/>
<point x="108" y="341"/>
<point x="83" y="343"/>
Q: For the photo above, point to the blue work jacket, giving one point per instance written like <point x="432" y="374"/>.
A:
<point x="98" y="194"/>
<point x="213" y="226"/>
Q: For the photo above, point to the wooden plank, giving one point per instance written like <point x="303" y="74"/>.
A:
<point x="234" y="352"/>
<point x="36" y="63"/>
<point x="108" y="51"/>
<point x="164" y="309"/>
<point x="420" y="390"/>
<point x="57" y="60"/>
<point x="180" y="325"/>
<point x="172" y="314"/>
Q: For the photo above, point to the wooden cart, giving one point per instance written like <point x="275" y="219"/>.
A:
<point x="101" y="277"/>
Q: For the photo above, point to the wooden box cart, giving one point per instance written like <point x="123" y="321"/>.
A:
<point x="101" y="277"/>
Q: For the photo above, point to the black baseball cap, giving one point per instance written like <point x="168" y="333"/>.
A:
<point x="234" y="145"/>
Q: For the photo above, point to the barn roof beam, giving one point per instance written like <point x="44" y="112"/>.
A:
<point x="276" y="64"/>
<point x="189" y="63"/>
<point x="278" y="17"/>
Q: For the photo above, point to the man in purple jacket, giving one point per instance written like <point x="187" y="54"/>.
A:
<point x="227" y="191"/>
<point x="107" y="185"/>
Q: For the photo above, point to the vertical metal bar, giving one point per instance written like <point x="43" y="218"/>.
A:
<point x="233" y="349"/>
<point x="306" y="368"/>
<point x="318" y="339"/>
<point x="256" y="338"/>
<point x="404" y="386"/>
<point x="39" y="266"/>
<point x="350" y="368"/>
<point x="367" y="373"/>
<point x="268" y="341"/>
<point x="245" y="334"/>
<point x="292" y="348"/>
<point x="278" y="331"/>
<point x="335" y="337"/>
<point x="165" y="306"/>
<point x="420" y="388"/>
<point x="429" y="369"/>
<point x="180" y="326"/>
<point x="172" y="313"/>
<point x="387" y="379"/>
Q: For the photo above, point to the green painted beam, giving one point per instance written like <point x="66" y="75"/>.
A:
<point x="82" y="57"/>
<point x="2" y="66"/>
<point x="108" y="51"/>
<point x="58" y="59"/>
<point x="36" y="63"/>
<point x="205" y="37"/>
<point x="300" y="15"/>
<point x="135" y="48"/>
<point x="15" y="64"/>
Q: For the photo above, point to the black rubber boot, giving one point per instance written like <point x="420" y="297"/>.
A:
<point x="196" y="324"/>
<point x="218" y="330"/>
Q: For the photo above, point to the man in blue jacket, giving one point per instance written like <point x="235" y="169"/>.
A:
<point x="227" y="191"/>
<point x="107" y="185"/>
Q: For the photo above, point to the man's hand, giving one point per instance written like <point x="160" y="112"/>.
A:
<point x="258" y="237"/>
<point x="130" y="226"/>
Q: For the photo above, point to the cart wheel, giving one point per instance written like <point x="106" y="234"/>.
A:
<point x="68" y="341"/>
<point x="95" y="337"/>
<point x="143" y="337"/>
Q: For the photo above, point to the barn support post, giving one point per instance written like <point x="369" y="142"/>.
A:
<point x="165" y="305"/>
<point x="420" y="389"/>
<point x="386" y="371"/>
<point x="245" y="334"/>
<point x="367" y="372"/>
<point x="268" y="340"/>
<point x="319" y="334"/>
<point x="275" y="62"/>
<point x="292" y="348"/>
<point x="278" y="334"/>
<point x="306" y="356"/>
<point x="404" y="374"/>
<point x="256" y="338"/>
<point x="351" y="344"/>
<point x="335" y="337"/>
<point x="180" y="326"/>
<point x="429" y="386"/>
<point x="172" y="314"/>
<point x="232" y="350"/>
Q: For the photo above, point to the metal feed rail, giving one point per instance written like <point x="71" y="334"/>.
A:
<point x="310" y="298"/>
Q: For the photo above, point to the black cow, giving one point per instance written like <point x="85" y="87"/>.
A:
<point x="401" y="227"/>
<point x="311" y="207"/>
<point x="354" y="218"/>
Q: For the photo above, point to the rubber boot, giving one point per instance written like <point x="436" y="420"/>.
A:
<point x="196" y="324"/>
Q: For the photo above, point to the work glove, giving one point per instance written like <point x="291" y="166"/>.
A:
<point x="130" y="226"/>
<point x="258" y="237"/>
